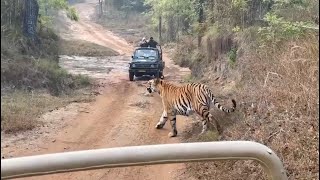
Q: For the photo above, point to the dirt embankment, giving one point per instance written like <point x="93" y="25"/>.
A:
<point x="121" y="116"/>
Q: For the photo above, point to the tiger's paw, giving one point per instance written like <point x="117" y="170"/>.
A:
<point x="202" y="133"/>
<point x="171" y="134"/>
<point x="159" y="126"/>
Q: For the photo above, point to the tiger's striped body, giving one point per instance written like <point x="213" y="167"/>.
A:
<point x="184" y="100"/>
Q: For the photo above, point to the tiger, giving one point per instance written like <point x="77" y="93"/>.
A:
<point x="184" y="100"/>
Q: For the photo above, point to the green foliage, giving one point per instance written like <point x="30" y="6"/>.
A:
<point x="177" y="16"/>
<point x="56" y="4"/>
<point x="213" y="31"/>
<point x="240" y="4"/>
<point x="82" y="80"/>
<point x="45" y="21"/>
<point x="72" y="14"/>
<point x="279" y="29"/>
<point x="296" y="10"/>
<point x="236" y="29"/>
<point x="47" y="6"/>
<point x="232" y="56"/>
<point x="58" y="80"/>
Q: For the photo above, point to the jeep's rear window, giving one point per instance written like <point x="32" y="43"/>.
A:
<point x="146" y="54"/>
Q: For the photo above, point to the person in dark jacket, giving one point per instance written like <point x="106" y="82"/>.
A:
<point x="152" y="43"/>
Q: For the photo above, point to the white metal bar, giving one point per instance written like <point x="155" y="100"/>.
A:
<point x="144" y="155"/>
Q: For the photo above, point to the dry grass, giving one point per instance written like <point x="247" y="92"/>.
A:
<point x="84" y="48"/>
<point x="284" y="115"/>
<point x="20" y="109"/>
<point x="183" y="53"/>
<point x="278" y="106"/>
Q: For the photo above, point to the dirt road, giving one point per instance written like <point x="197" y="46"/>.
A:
<point x="121" y="116"/>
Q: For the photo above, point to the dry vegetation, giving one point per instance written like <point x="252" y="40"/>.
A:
<point x="278" y="96"/>
<point x="20" y="110"/>
<point x="276" y="87"/>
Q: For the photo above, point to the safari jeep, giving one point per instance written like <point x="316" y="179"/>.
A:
<point x="146" y="61"/>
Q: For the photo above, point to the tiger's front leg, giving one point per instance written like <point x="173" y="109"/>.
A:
<point x="162" y="121"/>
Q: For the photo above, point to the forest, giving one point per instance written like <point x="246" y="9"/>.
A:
<point x="263" y="52"/>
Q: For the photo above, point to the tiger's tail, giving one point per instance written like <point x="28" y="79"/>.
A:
<point x="220" y="107"/>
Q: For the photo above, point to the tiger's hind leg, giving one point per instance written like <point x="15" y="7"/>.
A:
<point x="206" y="118"/>
<point x="204" y="125"/>
<point x="216" y="123"/>
<point x="173" y="122"/>
<point x="203" y="111"/>
<point x="162" y="120"/>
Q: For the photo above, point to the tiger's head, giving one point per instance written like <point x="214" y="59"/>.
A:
<point x="153" y="85"/>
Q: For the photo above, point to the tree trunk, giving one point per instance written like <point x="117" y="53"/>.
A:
<point x="100" y="9"/>
<point x="171" y="31"/>
<point x="31" y="12"/>
<point x="212" y="4"/>
<point x="200" y="21"/>
<point x="160" y="28"/>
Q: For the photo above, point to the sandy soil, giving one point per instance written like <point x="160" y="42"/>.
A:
<point x="121" y="116"/>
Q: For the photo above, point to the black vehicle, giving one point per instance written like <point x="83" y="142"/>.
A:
<point x="146" y="61"/>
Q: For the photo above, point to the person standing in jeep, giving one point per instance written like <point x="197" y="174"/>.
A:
<point x="143" y="43"/>
<point x="152" y="43"/>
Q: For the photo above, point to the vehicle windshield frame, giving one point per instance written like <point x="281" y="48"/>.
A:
<point x="146" y="54"/>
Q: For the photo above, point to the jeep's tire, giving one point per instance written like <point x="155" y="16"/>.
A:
<point x="131" y="76"/>
<point x="157" y="75"/>
<point x="161" y="75"/>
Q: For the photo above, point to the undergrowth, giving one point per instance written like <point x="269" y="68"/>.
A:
<point x="275" y="82"/>
<point x="28" y="65"/>
<point x="32" y="82"/>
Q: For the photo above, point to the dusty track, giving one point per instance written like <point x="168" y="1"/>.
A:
<point x="121" y="116"/>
